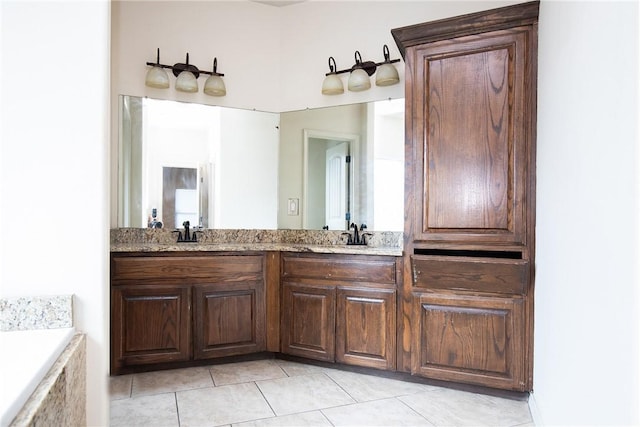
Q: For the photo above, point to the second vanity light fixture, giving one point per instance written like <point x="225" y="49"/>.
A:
<point x="359" y="80"/>
<point x="187" y="77"/>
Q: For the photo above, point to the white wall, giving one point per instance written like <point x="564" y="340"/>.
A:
<point x="586" y="329"/>
<point x="53" y="162"/>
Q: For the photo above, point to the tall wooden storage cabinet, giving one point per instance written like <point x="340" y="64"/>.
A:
<point x="470" y="196"/>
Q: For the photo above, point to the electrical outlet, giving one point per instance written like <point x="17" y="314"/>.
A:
<point x="293" y="207"/>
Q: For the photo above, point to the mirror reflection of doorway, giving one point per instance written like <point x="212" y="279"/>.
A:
<point x="180" y="196"/>
<point x="328" y="184"/>
<point x="337" y="186"/>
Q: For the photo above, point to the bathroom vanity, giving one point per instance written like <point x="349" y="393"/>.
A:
<point x="451" y="298"/>
<point x="176" y="304"/>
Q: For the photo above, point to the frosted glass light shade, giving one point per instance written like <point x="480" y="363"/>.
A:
<point x="387" y="75"/>
<point x="214" y="86"/>
<point x="186" y="82"/>
<point x="157" y="77"/>
<point x="359" y="80"/>
<point x="332" y="85"/>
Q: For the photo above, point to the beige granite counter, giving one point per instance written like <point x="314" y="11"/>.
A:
<point x="330" y="242"/>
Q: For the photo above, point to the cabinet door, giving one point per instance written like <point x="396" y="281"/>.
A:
<point x="366" y="327"/>
<point x="229" y="319"/>
<point x="150" y="324"/>
<point x="470" y="137"/>
<point x="308" y="320"/>
<point x="470" y="339"/>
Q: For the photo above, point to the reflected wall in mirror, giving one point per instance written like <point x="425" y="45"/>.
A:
<point x="250" y="165"/>
<point x="230" y="155"/>
<point x="373" y="186"/>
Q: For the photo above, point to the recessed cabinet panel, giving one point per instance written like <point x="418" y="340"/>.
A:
<point x="308" y="328"/>
<point x="470" y="339"/>
<point x="366" y="327"/>
<point x="151" y="324"/>
<point x="472" y="139"/>
<point x="229" y="319"/>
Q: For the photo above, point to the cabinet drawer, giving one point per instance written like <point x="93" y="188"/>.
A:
<point x="222" y="268"/>
<point x="339" y="268"/>
<point x="493" y="275"/>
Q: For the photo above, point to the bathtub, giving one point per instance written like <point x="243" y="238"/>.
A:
<point x="25" y="358"/>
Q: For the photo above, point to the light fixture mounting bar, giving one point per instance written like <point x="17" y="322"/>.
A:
<point x="367" y="65"/>
<point x="179" y="67"/>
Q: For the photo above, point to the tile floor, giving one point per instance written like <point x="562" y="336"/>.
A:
<point x="282" y="393"/>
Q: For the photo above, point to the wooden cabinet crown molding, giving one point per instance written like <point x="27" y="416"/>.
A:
<point x="466" y="25"/>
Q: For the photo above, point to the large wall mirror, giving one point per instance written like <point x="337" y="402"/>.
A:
<point x="222" y="167"/>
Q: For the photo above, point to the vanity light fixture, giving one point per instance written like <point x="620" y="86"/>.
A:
<point x="359" y="80"/>
<point x="332" y="85"/>
<point x="214" y="85"/>
<point x="187" y="77"/>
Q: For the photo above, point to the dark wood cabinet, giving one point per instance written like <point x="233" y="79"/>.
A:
<point x="366" y="327"/>
<point x="229" y="319"/>
<point x="308" y="322"/>
<point x="177" y="307"/>
<point x="470" y="196"/>
<point x="461" y="337"/>
<point x="340" y="308"/>
<point x="150" y="324"/>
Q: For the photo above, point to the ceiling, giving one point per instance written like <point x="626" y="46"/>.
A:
<point x="279" y="3"/>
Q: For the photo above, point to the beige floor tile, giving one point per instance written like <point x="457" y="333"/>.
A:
<point x="222" y="405"/>
<point x="305" y="419"/>
<point x="303" y="393"/>
<point x="244" y="372"/>
<point x="369" y="387"/>
<point x="172" y="380"/>
<point x="294" y="369"/>
<point x="120" y="387"/>
<point x="158" y="410"/>
<point x="386" y="412"/>
<point x="445" y="407"/>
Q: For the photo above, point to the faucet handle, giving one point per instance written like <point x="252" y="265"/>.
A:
<point x="364" y="240"/>
<point x="349" y="238"/>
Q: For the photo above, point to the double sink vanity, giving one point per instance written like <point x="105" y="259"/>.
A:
<point x="449" y="298"/>
<point x="238" y="292"/>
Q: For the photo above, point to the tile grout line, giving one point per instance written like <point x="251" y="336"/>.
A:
<point x="175" y="396"/>
<point x="255" y="383"/>
<point x="413" y="410"/>
<point x="341" y="388"/>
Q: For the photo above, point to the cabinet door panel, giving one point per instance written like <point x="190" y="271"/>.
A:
<point x="229" y="319"/>
<point x="471" y="139"/>
<point x="150" y="324"/>
<point x="470" y="339"/>
<point x="366" y="327"/>
<point x="308" y="327"/>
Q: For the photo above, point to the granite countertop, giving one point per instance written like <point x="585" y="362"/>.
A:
<point x="152" y="240"/>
